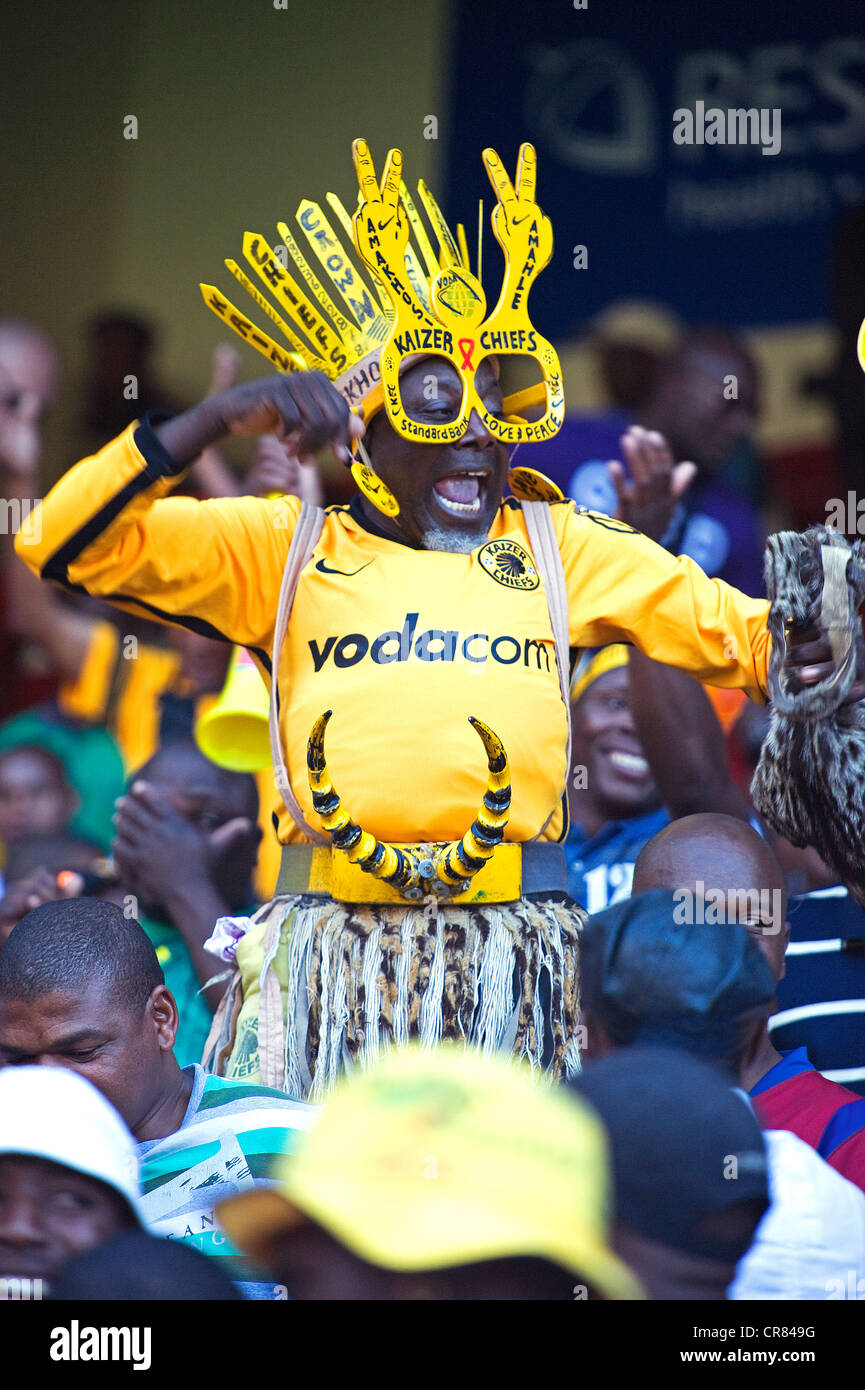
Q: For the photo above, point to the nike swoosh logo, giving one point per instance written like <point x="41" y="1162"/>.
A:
<point x="324" y="568"/>
<point x="517" y="221"/>
<point x="382" y="225"/>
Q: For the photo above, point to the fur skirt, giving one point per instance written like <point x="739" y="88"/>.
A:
<point x="322" y="987"/>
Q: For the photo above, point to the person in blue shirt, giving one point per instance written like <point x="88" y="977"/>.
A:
<point x="821" y="1000"/>
<point x="615" y="806"/>
<point x="703" y="404"/>
<point x="647" y="748"/>
<point x="821" y="994"/>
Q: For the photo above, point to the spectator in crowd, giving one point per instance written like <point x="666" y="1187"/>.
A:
<point x="44" y="868"/>
<point x="185" y="849"/>
<point x="29" y="378"/>
<point x="647" y="746"/>
<point x="68" y="1173"/>
<point x="90" y="759"/>
<point x="648" y="741"/>
<point x="705" y="402"/>
<point x="135" y="1266"/>
<point x="121" y="382"/>
<point x="689" y="1164"/>
<point x="81" y="988"/>
<point x="682" y="726"/>
<point x="627" y="341"/>
<point x="821" y="999"/>
<point x="821" y="996"/>
<point x="717" y="855"/>
<point x="82" y="638"/>
<point x="614" y="804"/>
<point x="440" y="1175"/>
<point x="655" y="975"/>
<point x="702" y="408"/>
<point x="35" y="797"/>
<point x="630" y="338"/>
<point x="121" y="676"/>
<point x="29" y="381"/>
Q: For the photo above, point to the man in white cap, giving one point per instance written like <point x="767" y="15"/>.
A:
<point x="68" y="1173"/>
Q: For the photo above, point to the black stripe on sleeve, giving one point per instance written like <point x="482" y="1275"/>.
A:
<point x="566" y="816"/>
<point x="158" y="464"/>
<point x="147" y="442"/>
<point x="199" y="625"/>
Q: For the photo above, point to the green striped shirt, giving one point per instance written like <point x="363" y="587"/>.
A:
<point x="230" y="1137"/>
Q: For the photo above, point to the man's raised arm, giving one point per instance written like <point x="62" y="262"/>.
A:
<point x="109" y="528"/>
<point x="622" y="587"/>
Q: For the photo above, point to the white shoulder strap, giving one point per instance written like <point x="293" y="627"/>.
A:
<point x="545" y="549"/>
<point x="303" y="542"/>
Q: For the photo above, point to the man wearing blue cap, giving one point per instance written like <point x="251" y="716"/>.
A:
<point x="680" y="1222"/>
<point x="651" y="978"/>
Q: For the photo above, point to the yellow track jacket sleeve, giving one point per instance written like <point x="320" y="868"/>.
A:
<point x="109" y="528"/>
<point x="622" y="587"/>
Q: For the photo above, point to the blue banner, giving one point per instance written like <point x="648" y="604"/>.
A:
<point x="700" y="153"/>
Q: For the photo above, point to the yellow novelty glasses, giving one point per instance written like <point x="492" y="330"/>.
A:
<point x="435" y="406"/>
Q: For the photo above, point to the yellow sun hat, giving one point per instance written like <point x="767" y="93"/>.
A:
<point x="439" y="1158"/>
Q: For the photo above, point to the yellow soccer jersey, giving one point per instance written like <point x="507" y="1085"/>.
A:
<point x="124" y="696"/>
<point x="403" y="645"/>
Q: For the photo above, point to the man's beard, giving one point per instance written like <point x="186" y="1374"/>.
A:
<point x="457" y="542"/>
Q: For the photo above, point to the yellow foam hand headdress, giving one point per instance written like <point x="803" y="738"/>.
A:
<point x="451" y="323"/>
<point x="361" y="331"/>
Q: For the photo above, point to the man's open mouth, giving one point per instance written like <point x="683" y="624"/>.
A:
<point x="627" y="763"/>
<point x="461" y="494"/>
<point x="630" y="763"/>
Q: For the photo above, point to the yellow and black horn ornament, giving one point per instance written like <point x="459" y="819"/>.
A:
<point x="456" y="863"/>
<point x="376" y="857"/>
<point x="414" y="871"/>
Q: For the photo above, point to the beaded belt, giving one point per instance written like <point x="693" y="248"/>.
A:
<point x="513" y="872"/>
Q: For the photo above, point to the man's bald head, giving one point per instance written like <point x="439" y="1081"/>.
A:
<point x="727" y="856"/>
<point x="721" y="850"/>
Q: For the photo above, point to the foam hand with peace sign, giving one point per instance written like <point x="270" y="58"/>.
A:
<point x="518" y="223"/>
<point x="380" y="224"/>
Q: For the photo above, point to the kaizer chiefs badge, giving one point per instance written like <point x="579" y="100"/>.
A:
<point x="509" y="564"/>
